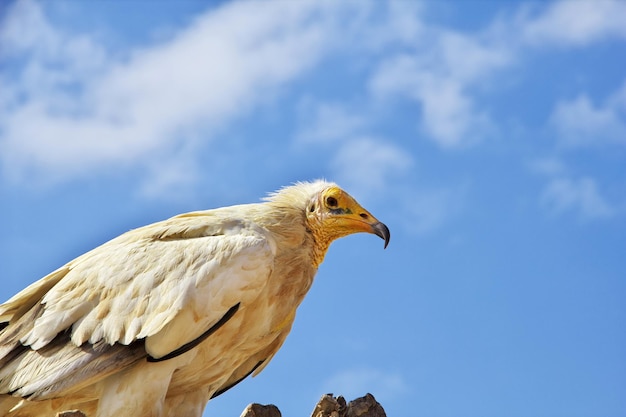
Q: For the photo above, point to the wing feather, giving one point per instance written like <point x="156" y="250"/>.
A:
<point x="61" y="366"/>
<point x="23" y="301"/>
<point x="134" y="286"/>
<point x="161" y="286"/>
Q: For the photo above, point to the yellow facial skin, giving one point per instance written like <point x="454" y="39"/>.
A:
<point x="337" y="214"/>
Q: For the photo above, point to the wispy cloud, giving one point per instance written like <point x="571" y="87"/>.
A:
<point x="548" y="166"/>
<point x="328" y="122"/>
<point x="443" y="75"/>
<point x="74" y="109"/>
<point x="70" y="107"/>
<point x="366" y="165"/>
<point x="581" y="195"/>
<point x="580" y="123"/>
<point x="564" y="191"/>
<point x="428" y="209"/>
<point x="575" y="23"/>
<point x="438" y="78"/>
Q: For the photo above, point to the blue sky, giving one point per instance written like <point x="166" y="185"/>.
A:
<point x="489" y="136"/>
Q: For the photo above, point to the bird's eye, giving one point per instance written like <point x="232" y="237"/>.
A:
<point x="331" y="202"/>
<point x="312" y="208"/>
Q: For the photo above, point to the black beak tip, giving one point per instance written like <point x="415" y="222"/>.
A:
<point x="382" y="231"/>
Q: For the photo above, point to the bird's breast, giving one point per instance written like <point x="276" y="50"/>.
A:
<point x="253" y="334"/>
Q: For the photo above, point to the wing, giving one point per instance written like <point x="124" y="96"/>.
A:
<point x="163" y="287"/>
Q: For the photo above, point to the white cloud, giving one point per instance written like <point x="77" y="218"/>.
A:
<point x="580" y="123"/>
<point x="354" y="383"/>
<point x="443" y="71"/>
<point x="564" y="192"/>
<point x="549" y="166"/>
<point x="42" y="38"/>
<point x="439" y="76"/>
<point x="576" y="23"/>
<point x="69" y="107"/>
<point x="426" y="210"/>
<point x="582" y="196"/>
<point x="72" y="110"/>
<point x="395" y="23"/>
<point x="328" y="122"/>
<point x="53" y="59"/>
<point x="366" y="165"/>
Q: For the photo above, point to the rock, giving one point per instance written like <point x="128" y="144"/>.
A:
<point x="330" y="406"/>
<point x="258" y="410"/>
<point x="365" y="407"/>
<point x="327" y="406"/>
<point x="71" y="413"/>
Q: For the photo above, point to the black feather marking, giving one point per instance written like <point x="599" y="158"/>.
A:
<point x="223" y="390"/>
<point x="188" y="346"/>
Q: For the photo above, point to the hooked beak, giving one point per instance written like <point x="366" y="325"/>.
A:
<point x="347" y="216"/>
<point x="381" y="230"/>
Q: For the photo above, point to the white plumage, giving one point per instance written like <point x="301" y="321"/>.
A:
<point x="162" y="318"/>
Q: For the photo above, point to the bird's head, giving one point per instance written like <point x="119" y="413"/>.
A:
<point x="332" y="213"/>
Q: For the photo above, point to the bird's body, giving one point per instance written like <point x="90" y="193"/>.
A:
<point x="161" y="319"/>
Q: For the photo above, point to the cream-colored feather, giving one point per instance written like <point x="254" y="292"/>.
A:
<point x="171" y="313"/>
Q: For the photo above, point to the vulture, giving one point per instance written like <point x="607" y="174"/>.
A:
<point x="156" y="322"/>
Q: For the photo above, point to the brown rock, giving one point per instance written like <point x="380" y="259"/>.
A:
<point x="258" y="410"/>
<point x="327" y="406"/>
<point x="365" y="407"/>
<point x="71" y="413"/>
<point x="330" y="406"/>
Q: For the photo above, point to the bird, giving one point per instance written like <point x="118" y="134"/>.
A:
<point x="163" y="318"/>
